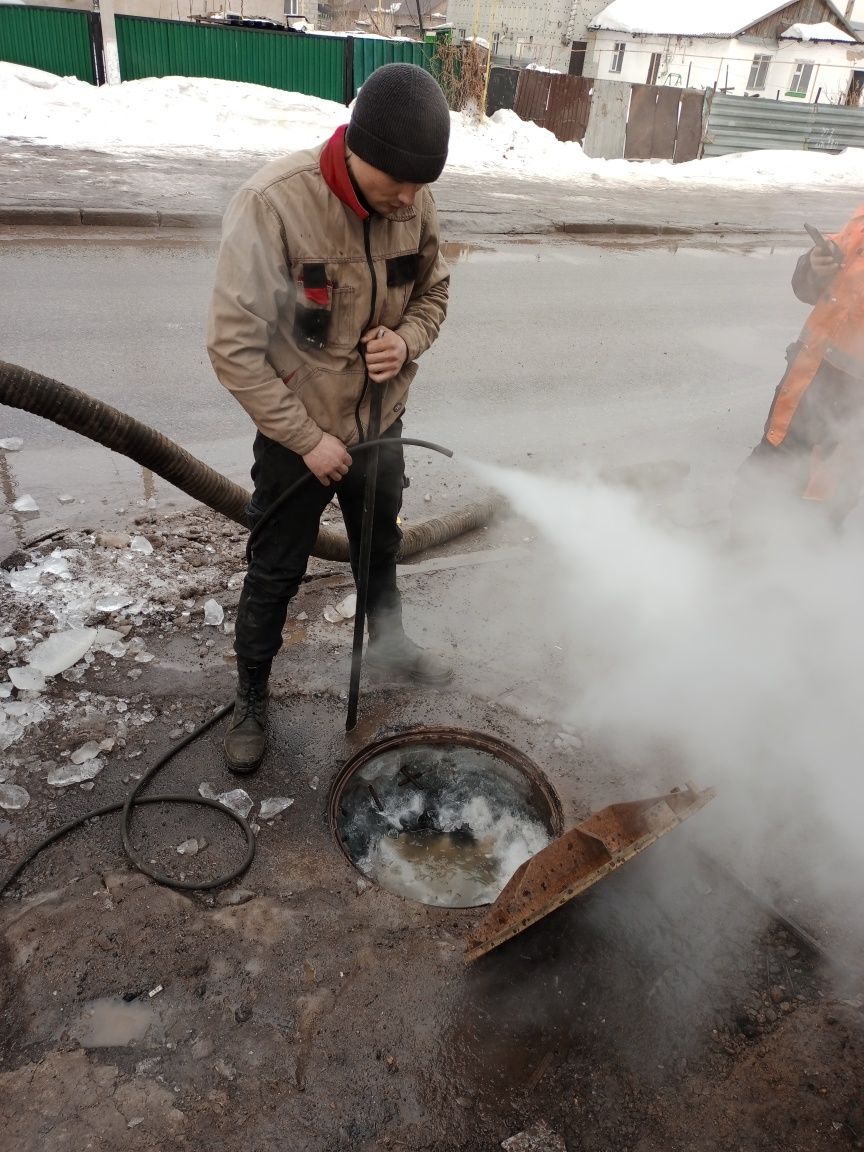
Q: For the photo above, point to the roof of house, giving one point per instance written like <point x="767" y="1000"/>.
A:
<point x="721" y="18"/>
<point x="823" y="31"/>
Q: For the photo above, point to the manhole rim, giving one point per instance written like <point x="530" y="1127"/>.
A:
<point x="465" y="737"/>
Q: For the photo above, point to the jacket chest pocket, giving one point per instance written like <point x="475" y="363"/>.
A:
<point x="401" y="275"/>
<point x="324" y="313"/>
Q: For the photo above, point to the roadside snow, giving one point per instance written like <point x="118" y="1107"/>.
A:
<point x="207" y="116"/>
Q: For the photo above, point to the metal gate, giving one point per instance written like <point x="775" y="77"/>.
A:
<point x="561" y="104"/>
<point x="58" y="40"/>
<point x="664" y="123"/>
<point x="313" y="65"/>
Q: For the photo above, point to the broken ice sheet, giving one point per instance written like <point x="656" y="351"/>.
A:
<point x="213" y="612"/>
<point x="91" y="750"/>
<point x="27" y="679"/>
<point x="273" y="805"/>
<point x="25" y="503"/>
<point x="237" y="800"/>
<point x="192" y="846"/>
<point x="74" y="773"/>
<point x="140" y="544"/>
<point x="7" y="644"/>
<point x="13" y="798"/>
<point x="11" y="444"/>
<point x="61" y="650"/>
<point x="344" y="610"/>
<point x="65" y="498"/>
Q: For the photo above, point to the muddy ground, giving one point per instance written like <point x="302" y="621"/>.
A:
<point x="302" y="1009"/>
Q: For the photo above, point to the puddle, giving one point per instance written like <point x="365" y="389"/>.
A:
<point x="443" y="824"/>
<point x="111" y="1022"/>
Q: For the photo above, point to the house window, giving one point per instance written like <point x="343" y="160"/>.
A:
<point x="653" y="68"/>
<point x="617" y="56"/>
<point x="292" y="8"/>
<point x="495" y="39"/>
<point x="801" y="80"/>
<point x="462" y="32"/>
<point x="758" y="73"/>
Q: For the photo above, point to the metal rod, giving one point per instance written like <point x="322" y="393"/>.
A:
<point x="365" y="557"/>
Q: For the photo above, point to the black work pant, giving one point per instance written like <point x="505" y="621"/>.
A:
<point x="282" y="551"/>
<point x="830" y="414"/>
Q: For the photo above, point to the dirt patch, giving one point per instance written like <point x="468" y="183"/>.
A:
<point x="304" y="1008"/>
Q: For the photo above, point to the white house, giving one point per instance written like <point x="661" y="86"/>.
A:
<point x="551" y="33"/>
<point x="799" y="51"/>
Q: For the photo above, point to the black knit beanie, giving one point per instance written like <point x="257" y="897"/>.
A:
<point x="401" y="124"/>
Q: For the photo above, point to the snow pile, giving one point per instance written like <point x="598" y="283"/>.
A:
<point x="221" y="116"/>
<point x="682" y="17"/>
<point x="823" y="31"/>
<point x="172" y="112"/>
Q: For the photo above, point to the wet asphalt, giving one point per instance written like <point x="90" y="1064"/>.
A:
<point x="555" y="353"/>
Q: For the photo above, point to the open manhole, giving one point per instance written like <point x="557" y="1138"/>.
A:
<point x="441" y="815"/>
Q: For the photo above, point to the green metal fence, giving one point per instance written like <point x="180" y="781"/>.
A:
<point x="370" y="53"/>
<point x="313" y="65"/>
<point x="52" y="39"/>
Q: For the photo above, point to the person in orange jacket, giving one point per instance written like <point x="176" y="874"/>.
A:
<point x="813" y="443"/>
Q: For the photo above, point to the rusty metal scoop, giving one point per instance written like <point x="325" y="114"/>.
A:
<point x="578" y="859"/>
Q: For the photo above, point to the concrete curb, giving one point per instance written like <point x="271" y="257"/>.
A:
<point x="61" y="217"/>
<point x="54" y="217"/>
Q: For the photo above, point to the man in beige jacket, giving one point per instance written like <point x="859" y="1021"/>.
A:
<point x="330" y="283"/>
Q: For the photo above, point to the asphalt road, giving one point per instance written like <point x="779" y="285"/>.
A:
<point x="470" y="203"/>
<point x="554" y="353"/>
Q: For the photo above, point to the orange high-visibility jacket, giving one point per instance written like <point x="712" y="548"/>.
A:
<point x="834" y="331"/>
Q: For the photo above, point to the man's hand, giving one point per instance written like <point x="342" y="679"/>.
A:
<point x="329" y="460"/>
<point x="386" y="352"/>
<point x="823" y="264"/>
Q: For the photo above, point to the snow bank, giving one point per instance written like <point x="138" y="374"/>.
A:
<point x="221" y="116"/>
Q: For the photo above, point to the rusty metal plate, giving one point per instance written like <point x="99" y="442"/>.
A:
<point x="578" y="859"/>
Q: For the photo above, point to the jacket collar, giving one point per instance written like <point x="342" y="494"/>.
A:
<point x="336" y="175"/>
<point x="338" y="179"/>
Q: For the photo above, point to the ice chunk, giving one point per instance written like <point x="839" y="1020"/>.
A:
<point x="7" y="644"/>
<point x="207" y="791"/>
<point x="192" y="847"/>
<point x="213" y="613"/>
<point x="27" y="679"/>
<point x="273" y="806"/>
<point x="61" y="650"/>
<point x="347" y="608"/>
<point x="332" y="616"/>
<point x="106" y="637"/>
<point x="13" y="798"/>
<point x="113" y="602"/>
<point x="12" y="444"/>
<point x="88" y="751"/>
<point x="74" y="773"/>
<point x="65" y="498"/>
<point x="141" y="544"/>
<point x="5" y="691"/>
<point x="237" y="800"/>
<point x="25" y="503"/>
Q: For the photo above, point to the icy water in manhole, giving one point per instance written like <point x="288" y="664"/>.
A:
<point x="443" y="824"/>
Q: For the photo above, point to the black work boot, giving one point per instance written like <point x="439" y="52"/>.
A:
<point x="393" y="655"/>
<point x="246" y="738"/>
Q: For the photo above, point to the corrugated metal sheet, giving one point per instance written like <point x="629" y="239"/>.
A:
<point x="739" y="124"/>
<point x="313" y="65"/>
<point x="53" y="39"/>
<point x="370" y="53"/>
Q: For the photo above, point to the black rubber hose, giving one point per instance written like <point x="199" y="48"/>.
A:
<point x="355" y="450"/>
<point x="134" y="800"/>
<point x="119" y="432"/>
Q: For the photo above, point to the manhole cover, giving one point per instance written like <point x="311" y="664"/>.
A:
<point x="441" y="815"/>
